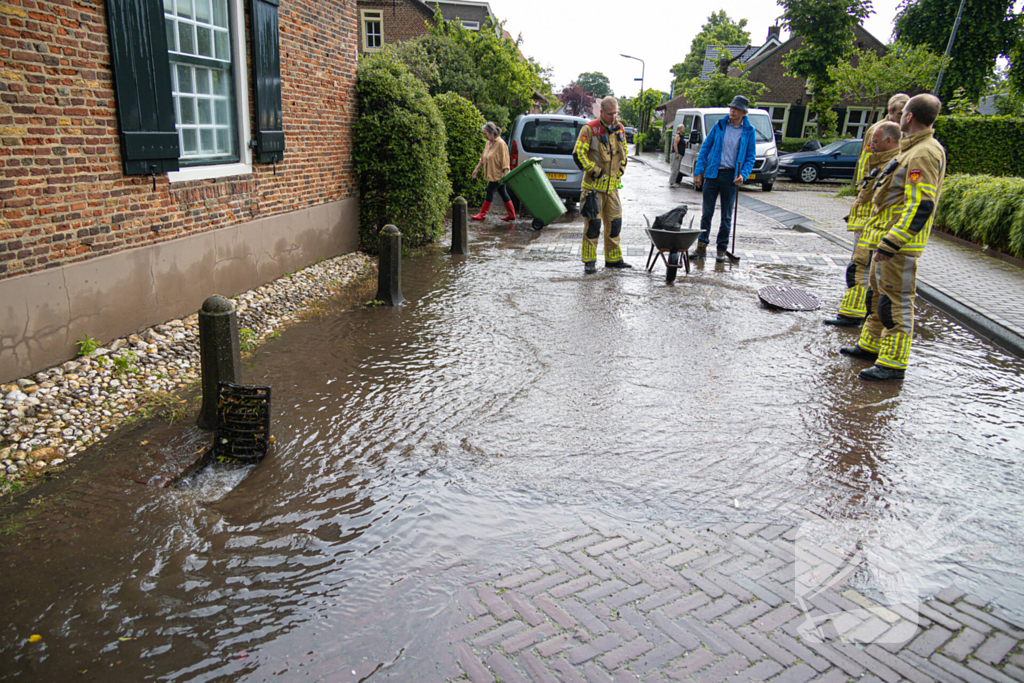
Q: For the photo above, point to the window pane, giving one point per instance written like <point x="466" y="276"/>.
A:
<point x="222" y="112"/>
<point x="189" y="142"/>
<point x="203" y="11"/>
<point x="205" y="111"/>
<point x="186" y="41"/>
<point x="185" y="8"/>
<point x="206" y="140"/>
<point x="185" y="79"/>
<point x="169" y="6"/>
<point x="188" y="110"/>
<point x="223" y="46"/>
<point x="205" y="41"/>
<point x="172" y="35"/>
<point x="203" y="81"/>
<point x="223" y="141"/>
<point x="220" y="13"/>
<point x="221" y="81"/>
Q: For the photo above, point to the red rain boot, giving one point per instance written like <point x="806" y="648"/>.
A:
<point x="484" y="208"/>
<point x="511" y="212"/>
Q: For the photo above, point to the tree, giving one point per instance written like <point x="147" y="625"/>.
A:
<point x="826" y="29"/>
<point x="594" y="82"/>
<point x="902" y="69"/>
<point x="719" y="30"/>
<point x="577" y="101"/>
<point x="988" y="29"/>
<point x="718" y="90"/>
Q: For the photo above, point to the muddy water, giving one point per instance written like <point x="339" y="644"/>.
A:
<point x="421" y="447"/>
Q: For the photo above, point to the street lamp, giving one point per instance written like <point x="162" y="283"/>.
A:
<point x="640" y="101"/>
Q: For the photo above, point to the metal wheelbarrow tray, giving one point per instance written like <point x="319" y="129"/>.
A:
<point x="678" y="241"/>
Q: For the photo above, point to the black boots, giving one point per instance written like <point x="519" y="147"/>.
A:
<point x="589" y="267"/>
<point x="844" y="321"/>
<point x="616" y="264"/>
<point x="880" y="373"/>
<point x="858" y="352"/>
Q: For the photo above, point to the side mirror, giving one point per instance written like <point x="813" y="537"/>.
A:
<point x="694" y="137"/>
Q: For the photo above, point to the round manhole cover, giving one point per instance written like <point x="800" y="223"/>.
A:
<point x="788" y="298"/>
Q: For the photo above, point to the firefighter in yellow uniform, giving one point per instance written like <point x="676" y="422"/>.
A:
<point x="601" y="153"/>
<point x="853" y="307"/>
<point x="912" y="198"/>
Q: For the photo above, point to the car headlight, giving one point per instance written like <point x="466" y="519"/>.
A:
<point x="772" y="151"/>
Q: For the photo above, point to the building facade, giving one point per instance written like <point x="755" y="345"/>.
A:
<point x="153" y="157"/>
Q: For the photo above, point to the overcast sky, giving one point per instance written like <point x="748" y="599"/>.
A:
<point x="575" y="37"/>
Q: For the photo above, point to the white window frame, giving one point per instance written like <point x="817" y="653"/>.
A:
<point x="808" y="121"/>
<point x="241" y="82"/>
<point x="374" y="15"/>
<point x="767" y="106"/>
<point x="471" y="25"/>
<point x="866" y="123"/>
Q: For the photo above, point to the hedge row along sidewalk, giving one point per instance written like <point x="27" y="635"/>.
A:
<point x="55" y="414"/>
<point x="985" y="210"/>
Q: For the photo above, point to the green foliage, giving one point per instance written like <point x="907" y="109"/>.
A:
<point x="87" y="345"/>
<point x="987" y="29"/>
<point x="399" y="153"/>
<point x="985" y="210"/>
<point x="791" y="145"/>
<point x="462" y="123"/>
<point x="247" y="340"/>
<point x="826" y="27"/>
<point x="982" y="144"/>
<point x="961" y="105"/>
<point x="904" y="68"/>
<point x="594" y="82"/>
<point x="124" y="362"/>
<point x="651" y="140"/>
<point x="718" y="90"/>
<point x="719" y="30"/>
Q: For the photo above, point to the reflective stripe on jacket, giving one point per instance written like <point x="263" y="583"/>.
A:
<point x="860" y="212"/>
<point x="603" y="153"/>
<point x="916" y="186"/>
<point x="710" y="155"/>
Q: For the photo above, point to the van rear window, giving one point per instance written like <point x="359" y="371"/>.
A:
<point x="550" y="137"/>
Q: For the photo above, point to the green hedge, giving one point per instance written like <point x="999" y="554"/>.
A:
<point x="399" y="154"/>
<point x="984" y="209"/>
<point x="992" y="145"/>
<point x="462" y="124"/>
<point x="649" y="141"/>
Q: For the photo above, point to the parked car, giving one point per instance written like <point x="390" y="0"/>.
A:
<point x="551" y="137"/>
<point x="699" y="122"/>
<point x="835" y="160"/>
<point x="630" y="132"/>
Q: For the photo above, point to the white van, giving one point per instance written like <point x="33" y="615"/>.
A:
<point x="698" y="123"/>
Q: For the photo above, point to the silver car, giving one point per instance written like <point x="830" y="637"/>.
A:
<point x="550" y="137"/>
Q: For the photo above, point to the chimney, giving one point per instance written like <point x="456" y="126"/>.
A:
<point x="773" y="32"/>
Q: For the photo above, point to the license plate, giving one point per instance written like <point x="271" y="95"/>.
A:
<point x="751" y="177"/>
<point x="556" y="176"/>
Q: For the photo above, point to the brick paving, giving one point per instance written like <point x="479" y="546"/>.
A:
<point x="637" y="614"/>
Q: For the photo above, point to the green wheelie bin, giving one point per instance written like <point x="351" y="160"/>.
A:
<point x="531" y="185"/>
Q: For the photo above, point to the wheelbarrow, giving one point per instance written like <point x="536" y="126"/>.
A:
<point x="674" y="241"/>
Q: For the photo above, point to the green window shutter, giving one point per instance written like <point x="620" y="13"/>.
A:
<point x="266" y="57"/>
<point x="142" y="83"/>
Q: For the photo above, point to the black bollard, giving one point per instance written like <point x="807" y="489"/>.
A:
<point x="460" y="226"/>
<point x="389" y="269"/>
<point x="219" y="355"/>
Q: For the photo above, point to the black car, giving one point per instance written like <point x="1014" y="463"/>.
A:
<point x="836" y="160"/>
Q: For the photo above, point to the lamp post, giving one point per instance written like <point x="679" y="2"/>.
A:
<point x="949" y="46"/>
<point x="640" y="100"/>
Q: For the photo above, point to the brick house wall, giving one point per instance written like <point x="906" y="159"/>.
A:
<point x="76" y="233"/>
<point x="401" y="20"/>
<point x="464" y="11"/>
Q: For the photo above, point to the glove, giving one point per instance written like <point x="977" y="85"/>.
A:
<point x="597" y="173"/>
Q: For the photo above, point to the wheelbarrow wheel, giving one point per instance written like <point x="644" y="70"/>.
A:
<point x="674" y="257"/>
<point x="538" y="224"/>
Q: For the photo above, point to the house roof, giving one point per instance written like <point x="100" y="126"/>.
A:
<point x="711" y="56"/>
<point x="465" y="3"/>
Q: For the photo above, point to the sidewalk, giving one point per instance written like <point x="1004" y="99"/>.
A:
<point x="984" y="293"/>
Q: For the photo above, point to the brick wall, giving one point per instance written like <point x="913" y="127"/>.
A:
<point x="403" y="19"/>
<point x="64" y="196"/>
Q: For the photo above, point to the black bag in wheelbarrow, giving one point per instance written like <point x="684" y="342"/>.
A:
<point x="671" y="220"/>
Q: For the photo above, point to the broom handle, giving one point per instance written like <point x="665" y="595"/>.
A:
<point x="735" y="210"/>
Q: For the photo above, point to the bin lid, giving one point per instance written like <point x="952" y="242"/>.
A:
<point x="532" y="161"/>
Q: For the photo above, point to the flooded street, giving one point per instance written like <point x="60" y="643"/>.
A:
<point x="422" y="446"/>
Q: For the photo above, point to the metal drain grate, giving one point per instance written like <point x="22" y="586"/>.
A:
<point x="243" y="424"/>
<point x="788" y="298"/>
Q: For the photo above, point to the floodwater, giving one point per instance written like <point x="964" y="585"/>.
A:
<point x="420" y="446"/>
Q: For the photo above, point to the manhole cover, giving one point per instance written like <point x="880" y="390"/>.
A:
<point x="570" y="235"/>
<point x="788" y="298"/>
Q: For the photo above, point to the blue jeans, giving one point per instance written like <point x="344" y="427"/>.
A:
<point x="713" y="187"/>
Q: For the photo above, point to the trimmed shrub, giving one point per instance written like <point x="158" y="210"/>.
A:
<point x="462" y="123"/>
<point x="984" y="209"/>
<point x="992" y="145"/>
<point x="651" y="140"/>
<point x="399" y="154"/>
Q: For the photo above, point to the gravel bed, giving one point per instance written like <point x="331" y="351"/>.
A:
<point x="50" y="417"/>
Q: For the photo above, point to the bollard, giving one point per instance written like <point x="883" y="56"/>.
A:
<point x="460" y="226"/>
<point x="389" y="269"/>
<point x="220" y="359"/>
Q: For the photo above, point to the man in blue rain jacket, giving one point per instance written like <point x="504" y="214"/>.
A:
<point x="725" y="159"/>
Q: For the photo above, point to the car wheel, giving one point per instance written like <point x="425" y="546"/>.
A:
<point x="808" y="173"/>
<point x="766" y="187"/>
